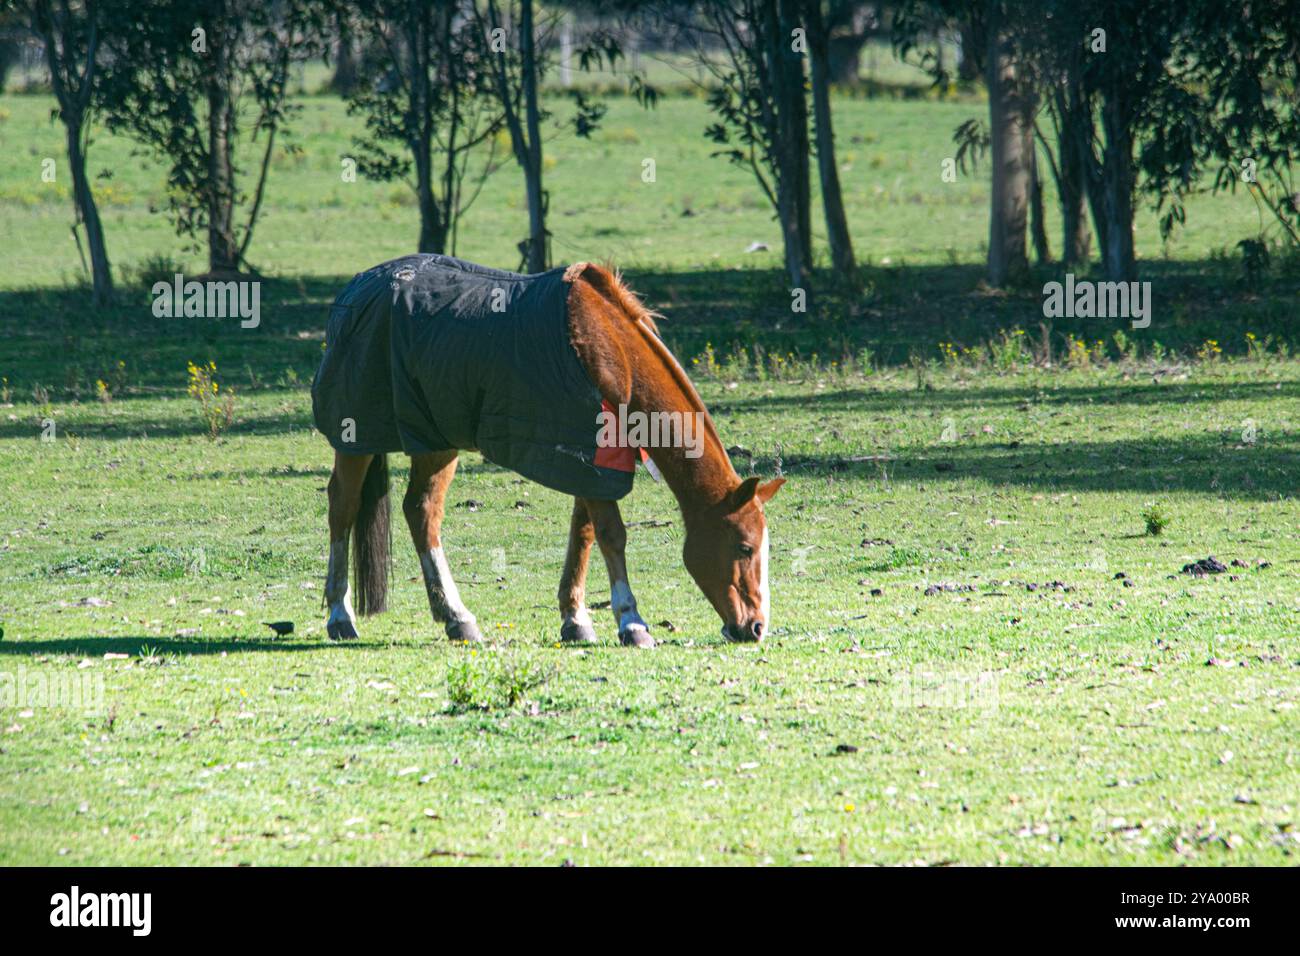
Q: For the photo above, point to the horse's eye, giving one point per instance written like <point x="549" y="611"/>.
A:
<point x="746" y="550"/>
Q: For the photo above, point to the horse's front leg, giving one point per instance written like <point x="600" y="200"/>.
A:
<point x="424" y="506"/>
<point x="611" y="536"/>
<point x="575" y="619"/>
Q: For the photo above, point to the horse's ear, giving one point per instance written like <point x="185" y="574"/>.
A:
<point x="750" y="488"/>
<point x="766" y="491"/>
<point x="744" y="492"/>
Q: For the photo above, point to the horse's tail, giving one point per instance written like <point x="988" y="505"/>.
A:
<point x="372" y="541"/>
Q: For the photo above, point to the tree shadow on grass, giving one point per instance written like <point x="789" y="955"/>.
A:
<point x="182" y="426"/>
<point x="59" y="343"/>
<point x="96" y="647"/>
<point x="471" y="463"/>
<point x="905" y="309"/>
<point x="1043" y="392"/>
<point x="1208" y="464"/>
<point x="902" y="309"/>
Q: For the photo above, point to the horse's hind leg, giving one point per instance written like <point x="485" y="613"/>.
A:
<point x="576" y="626"/>
<point x="424" y="505"/>
<point x="344" y="489"/>
<point x="611" y="535"/>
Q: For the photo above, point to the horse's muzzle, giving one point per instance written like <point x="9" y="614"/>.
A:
<point x="750" y="633"/>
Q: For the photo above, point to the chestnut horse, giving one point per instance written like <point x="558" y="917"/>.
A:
<point x="726" y="547"/>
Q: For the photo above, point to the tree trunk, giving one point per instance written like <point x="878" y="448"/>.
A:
<point x="419" y="33"/>
<point x="1072" y="137"/>
<point x="72" y="90"/>
<point x="101" y="274"/>
<point x="789" y="216"/>
<point x="837" y="225"/>
<point x="1095" y="195"/>
<point x="794" y="106"/>
<point x="223" y="251"/>
<point x="433" y="234"/>
<point x="967" y="64"/>
<point x="537" y="255"/>
<point x="9" y="54"/>
<point x="1037" y="224"/>
<point x="844" y="59"/>
<point x="785" y="158"/>
<point x="1011" y="147"/>
<point x="1076" y="237"/>
<point x="344" y="80"/>
<point x="1091" y="172"/>
<point x="1118" y="261"/>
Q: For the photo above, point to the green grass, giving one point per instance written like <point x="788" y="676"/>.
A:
<point x="1031" y="708"/>
<point x="1082" y="707"/>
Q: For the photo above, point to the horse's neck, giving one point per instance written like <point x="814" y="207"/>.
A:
<point x="660" y="385"/>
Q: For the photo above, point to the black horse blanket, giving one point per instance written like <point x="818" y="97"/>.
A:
<point x="427" y="353"/>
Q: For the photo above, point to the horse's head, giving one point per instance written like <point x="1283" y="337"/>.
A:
<point x="726" y="552"/>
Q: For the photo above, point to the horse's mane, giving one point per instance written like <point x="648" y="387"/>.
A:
<point x="609" y="283"/>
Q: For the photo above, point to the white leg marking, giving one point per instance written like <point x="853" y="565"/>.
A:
<point x="623" y="603"/>
<point x="581" y="617"/>
<point x="764" y="592"/>
<point x="338" y="594"/>
<point x="444" y="598"/>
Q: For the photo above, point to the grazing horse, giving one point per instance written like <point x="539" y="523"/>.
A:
<point x="432" y="356"/>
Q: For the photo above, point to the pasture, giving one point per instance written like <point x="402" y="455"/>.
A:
<point x="980" y="654"/>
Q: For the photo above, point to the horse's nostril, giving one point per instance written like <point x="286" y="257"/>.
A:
<point x="756" y="629"/>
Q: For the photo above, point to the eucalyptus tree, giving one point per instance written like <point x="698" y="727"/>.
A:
<point x="72" y="33"/>
<point x="428" y="108"/>
<point x="188" y="79"/>
<point x="519" y="51"/>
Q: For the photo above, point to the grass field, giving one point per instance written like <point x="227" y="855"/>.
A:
<point x="1005" y="697"/>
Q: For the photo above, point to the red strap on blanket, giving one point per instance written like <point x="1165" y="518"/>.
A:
<point x="617" y="458"/>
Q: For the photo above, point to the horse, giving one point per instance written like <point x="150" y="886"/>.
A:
<point x="395" y="341"/>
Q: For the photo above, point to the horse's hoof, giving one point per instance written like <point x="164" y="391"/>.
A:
<point x="636" y="636"/>
<point x="464" y="631"/>
<point x="341" y="631"/>
<point x="574" y="633"/>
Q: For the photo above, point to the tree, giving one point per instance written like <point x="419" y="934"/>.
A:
<point x="516" y="69"/>
<point x="517" y="59"/>
<point x="1234" y="110"/>
<point x="1143" y="99"/>
<point x="343" y="80"/>
<point x="787" y="99"/>
<point x="849" y="25"/>
<point x="837" y="226"/>
<point x="1032" y="57"/>
<point x="1011" y="147"/>
<point x="432" y="96"/>
<point x="1117" y="92"/>
<point x="72" y="33"/>
<point x="186" y="76"/>
<point x="758" y="96"/>
<point x="1067" y="110"/>
<point x="993" y="39"/>
<point x="14" y="21"/>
